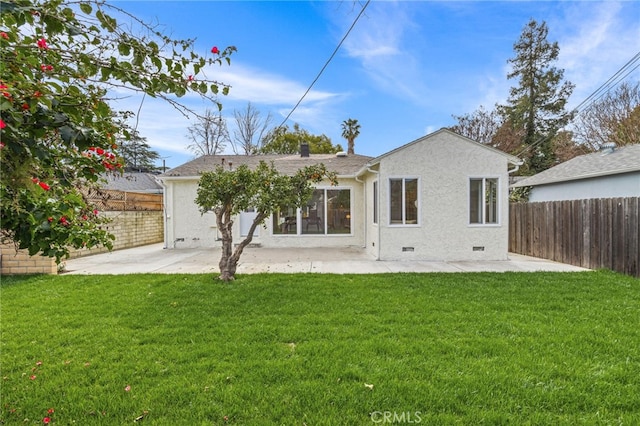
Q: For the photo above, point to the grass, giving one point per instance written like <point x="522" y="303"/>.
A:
<point x="513" y="348"/>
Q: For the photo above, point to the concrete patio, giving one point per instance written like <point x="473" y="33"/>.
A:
<point x="349" y="260"/>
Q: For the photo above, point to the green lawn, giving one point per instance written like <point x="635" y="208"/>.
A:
<point x="513" y="348"/>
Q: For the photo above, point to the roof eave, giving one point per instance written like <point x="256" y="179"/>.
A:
<point x="577" y="177"/>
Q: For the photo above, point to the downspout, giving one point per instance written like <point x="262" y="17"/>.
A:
<point x="164" y="213"/>
<point x="377" y="173"/>
<point x="517" y="166"/>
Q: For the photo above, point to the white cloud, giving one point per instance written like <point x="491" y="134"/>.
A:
<point x="166" y="129"/>
<point x="378" y="41"/>
<point x="595" y="43"/>
<point x="258" y="86"/>
<point x="270" y="92"/>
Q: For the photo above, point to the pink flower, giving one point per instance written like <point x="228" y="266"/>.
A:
<point x="42" y="43"/>
<point x="127" y="388"/>
<point x="2" y="124"/>
<point x="50" y="219"/>
<point x="215" y="50"/>
<point x="190" y="78"/>
<point x="2" y="145"/>
<point x="45" y="67"/>
<point x="50" y="411"/>
<point x="4" y="35"/>
<point x="46" y="420"/>
<point x="35" y="180"/>
<point x="33" y="377"/>
<point x="95" y="212"/>
<point x="44" y="186"/>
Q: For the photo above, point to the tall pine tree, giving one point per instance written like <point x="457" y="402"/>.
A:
<point x="137" y="154"/>
<point x="536" y="106"/>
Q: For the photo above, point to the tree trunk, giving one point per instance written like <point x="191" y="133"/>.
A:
<point x="227" y="265"/>
<point x="229" y="259"/>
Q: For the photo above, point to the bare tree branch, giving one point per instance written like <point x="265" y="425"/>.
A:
<point x="209" y="135"/>
<point x="250" y="130"/>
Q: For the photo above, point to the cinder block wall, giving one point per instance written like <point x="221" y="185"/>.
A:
<point x="131" y="229"/>
<point x="12" y="263"/>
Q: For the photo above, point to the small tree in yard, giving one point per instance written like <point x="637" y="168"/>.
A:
<point x="228" y="191"/>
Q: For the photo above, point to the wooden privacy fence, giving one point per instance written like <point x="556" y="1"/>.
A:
<point x="110" y="200"/>
<point x="594" y="233"/>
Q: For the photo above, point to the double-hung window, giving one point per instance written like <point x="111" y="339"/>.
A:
<point x="483" y="201"/>
<point x="403" y="201"/>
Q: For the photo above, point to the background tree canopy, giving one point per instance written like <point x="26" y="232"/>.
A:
<point x="281" y="140"/>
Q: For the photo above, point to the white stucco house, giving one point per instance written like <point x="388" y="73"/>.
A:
<point x="610" y="173"/>
<point x="440" y="197"/>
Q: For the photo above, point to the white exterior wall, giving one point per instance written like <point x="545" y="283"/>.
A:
<point x="622" y="185"/>
<point x="187" y="228"/>
<point x="444" y="163"/>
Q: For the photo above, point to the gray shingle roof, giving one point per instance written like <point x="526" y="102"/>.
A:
<point x="622" y="160"/>
<point x="286" y="164"/>
<point x="132" y="182"/>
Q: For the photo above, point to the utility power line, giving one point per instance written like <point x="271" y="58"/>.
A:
<point x="613" y="81"/>
<point x="326" y="63"/>
<point x="631" y="65"/>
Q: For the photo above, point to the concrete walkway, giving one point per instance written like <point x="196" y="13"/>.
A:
<point x="351" y="260"/>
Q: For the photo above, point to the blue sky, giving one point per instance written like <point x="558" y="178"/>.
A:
<point x="404" y="70"/>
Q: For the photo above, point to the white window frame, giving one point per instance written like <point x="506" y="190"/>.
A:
<point x="299" y="232"/>
<point x="376" y="202"/>
<point x="404" y="209"/>
<point x="483" y="220"/>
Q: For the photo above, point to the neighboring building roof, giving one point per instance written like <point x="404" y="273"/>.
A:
<point x="512" y="159"/>
<point x="609" y="162"/>
<point x="132" y="182"/>
<point x="287" y="164"/>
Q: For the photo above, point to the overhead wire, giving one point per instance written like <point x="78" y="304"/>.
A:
<point x="610" y="83"/>
<point x="596" y="95"/>
<point x="353" y="24"/>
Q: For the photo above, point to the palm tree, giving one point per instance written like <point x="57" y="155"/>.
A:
<point x="350" y="131"/>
